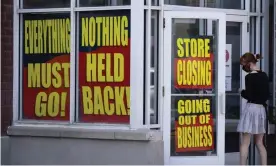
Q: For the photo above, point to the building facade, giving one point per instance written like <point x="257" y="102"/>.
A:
<point x="128" y="81"/>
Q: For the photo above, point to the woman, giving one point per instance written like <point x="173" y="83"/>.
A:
<point x="253" y="117"/>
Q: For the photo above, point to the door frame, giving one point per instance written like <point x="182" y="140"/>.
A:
<point x="219" y="158"/>
<point x="233" y="123"/>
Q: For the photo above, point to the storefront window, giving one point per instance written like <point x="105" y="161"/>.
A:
<point x="224" y="4"/>
<point x="85" y="3"/>
<point x="46" y="3"/>
<point x="103" y="72"/>
<point x="253" y="6"/>
<point x="46" y="66"/>
<point x="153" y="2"/>
<point x="104" y="66"/>
<point x="92" y="83"/>
<point x="66" y="3"/>
<point x="183" y="2"/>
<point x="151" y="65"/>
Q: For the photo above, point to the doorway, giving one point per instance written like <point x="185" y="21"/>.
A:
<point x="237" y="43"/>
<point x="194" y="87"/>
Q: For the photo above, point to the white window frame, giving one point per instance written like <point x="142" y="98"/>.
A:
<point x="136" y="62"/>
<point x="148" y="69"/>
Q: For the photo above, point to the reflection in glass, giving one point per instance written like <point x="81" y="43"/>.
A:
<point x="233" y="38"/>
<point x="46" y="3"/>
<point x="84" y="3"/>
<point x="252" y="5"/>
<point x="233" y="100"/>
<point x="150" y="72"/>
<point x="153" y="2"/>
<point x="225" y="4"/>
<point x="232" y="107"/>
<point x="183" y="2"/>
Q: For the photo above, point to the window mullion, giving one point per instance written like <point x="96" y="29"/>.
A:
<point x="72" y="61"/>
<point x="148" y="65"/>
<point x="136" y="64"/>
<point x="16" y="62"/>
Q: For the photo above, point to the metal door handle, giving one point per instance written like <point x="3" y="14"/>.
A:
<point x="222" y="107"/>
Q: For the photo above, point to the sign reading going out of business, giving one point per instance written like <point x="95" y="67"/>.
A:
<point x="194" y="71"/>
<point x="194" y="127"/>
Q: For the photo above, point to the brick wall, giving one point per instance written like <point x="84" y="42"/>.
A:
<point x="6" y="63"/>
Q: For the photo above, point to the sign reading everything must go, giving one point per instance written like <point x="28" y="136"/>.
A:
<point x="103" y="71"/>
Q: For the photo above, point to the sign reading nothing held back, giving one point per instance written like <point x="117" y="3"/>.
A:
<point x="104" y="66"/>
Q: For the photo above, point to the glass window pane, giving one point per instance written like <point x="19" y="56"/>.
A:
<point x="233" y="73"/>
<point x="233" y="47"/>
<point x="104" y="67"/>
<point x="225" y="4"/>
<point x="183" y="2"/>
<point x="253" y="33"/>
<point x="252" y="5"/>
<point x="46" y="67"/>
<point x="271" y="59"/>
<point x="153" y="2"/>
<point x="153" y="63"/>
<point x="46" y="3"/>
<point x="193" y="62"/>
<point x="85" y="3"/>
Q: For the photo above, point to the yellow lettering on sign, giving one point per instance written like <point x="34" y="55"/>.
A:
<point x="96" y="100"/>
<point x="104" y="31"/>
<point x="194" y="136"/>
<point x="47" y="36"/>
<point x="194" y="106"/>
<point x="47" y="74"/>
<point x="194" y="72"/>
<point x="52" y="105"/>
<point x="98" y="64"/>
<point x="194" y="47"/>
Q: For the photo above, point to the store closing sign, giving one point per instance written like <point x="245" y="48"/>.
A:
<point x="194" y="70"/>
<point x="194" y="63"/>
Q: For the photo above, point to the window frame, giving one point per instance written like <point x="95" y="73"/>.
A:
<point x="137" y="71"/>
<point x="136" y="62"/>
<point x="153" y="13"/>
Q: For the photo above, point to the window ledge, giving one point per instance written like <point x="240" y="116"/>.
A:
<point x="62" y="132"/>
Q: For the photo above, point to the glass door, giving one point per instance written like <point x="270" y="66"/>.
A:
<point x="194" y="87"/>
<point x="237" y="43"/>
